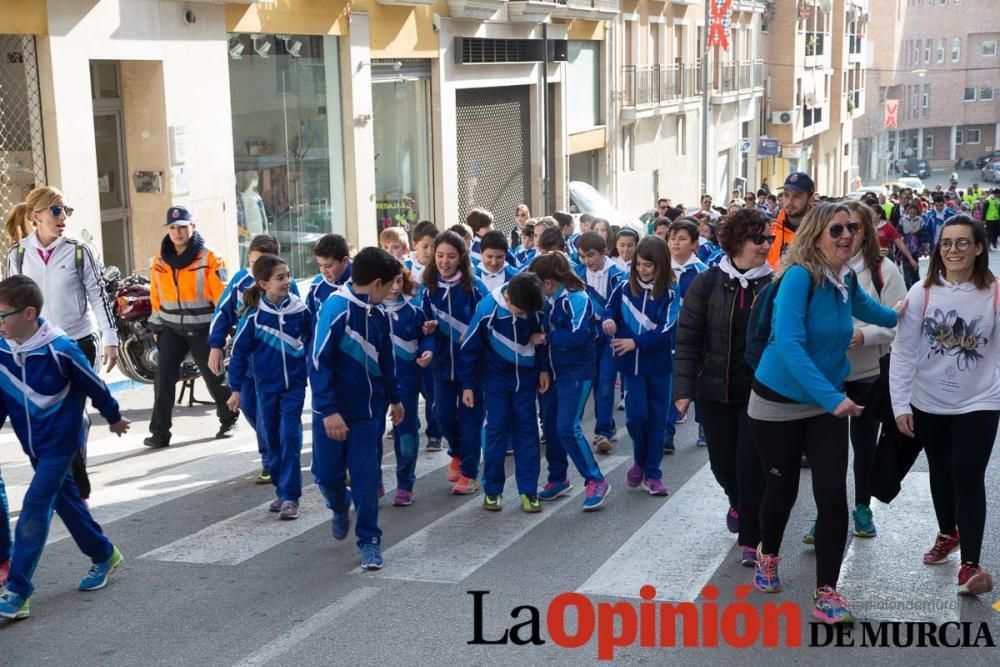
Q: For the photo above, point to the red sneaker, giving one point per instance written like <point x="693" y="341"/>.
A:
<point x="943" y="546"/>
<point x="4" y="571"/>
<point x="974" y="580"/>
<point x="454" y="469"/>
<point x="465" y="486"/>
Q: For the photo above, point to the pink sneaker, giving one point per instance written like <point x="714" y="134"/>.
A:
<point x="656" y="487"/>
<point x="634" y="476"/>
<point x="4" y="571"/>
<point x="403" y="498"/>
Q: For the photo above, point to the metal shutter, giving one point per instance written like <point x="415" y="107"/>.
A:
<point x="22" y="148"/>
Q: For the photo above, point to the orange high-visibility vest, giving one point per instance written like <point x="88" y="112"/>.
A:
<point x="783" y="239"/>
<point x="184" y="299"/>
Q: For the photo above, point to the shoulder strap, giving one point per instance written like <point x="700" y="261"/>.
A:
<point x="19" y="260"/>
<point x="878" y="280"/>
<point x="996" y="295"/>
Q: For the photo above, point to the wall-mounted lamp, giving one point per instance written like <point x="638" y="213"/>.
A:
<point x="362" y="119"/>
<point x="261" y="44"/>
<point x="236" y="48"/>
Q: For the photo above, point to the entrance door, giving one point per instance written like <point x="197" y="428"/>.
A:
<point x="112" y="173"/>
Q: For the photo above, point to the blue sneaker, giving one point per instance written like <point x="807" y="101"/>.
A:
<point x="831" y="607"/>
<point x="341" y="524"/>
<point x="765" y="578"/>
<point x="97" y="578"/>
<point x="553" y="490"/>
<point x="597" y="492"/>
<point x="864" y="526"/>
<point x="14" y="606"/>
<point x="668" y="447"/>
<point x="371" y="557"/>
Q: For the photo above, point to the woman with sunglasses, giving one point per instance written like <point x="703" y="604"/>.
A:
<point x="945" y="388"/>
<point x="710" y="364"/>
<point x="71" y="284"/>
<point x="797" y="400"/>
<point x="521" y="216"/>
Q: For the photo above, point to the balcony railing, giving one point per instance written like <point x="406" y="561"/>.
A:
<point x="645" y="85"/>
<point x="758" y="74"/>
<point x="733" y="77"/>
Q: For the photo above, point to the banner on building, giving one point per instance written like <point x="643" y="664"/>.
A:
<point x="891" y="113"/>
<point x="768" y="147"/>
<point x="718" y="29"/>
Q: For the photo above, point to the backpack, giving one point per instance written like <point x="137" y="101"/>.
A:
<point x="759" y="328"/>
<point x="78" y="262"/>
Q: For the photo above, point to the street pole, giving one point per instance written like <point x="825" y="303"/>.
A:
<point x="704" y="103"/>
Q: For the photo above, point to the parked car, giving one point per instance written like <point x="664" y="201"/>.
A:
<point x="987" y="167"/>
<point x="583" y="198"/>
<point x="991" y="172"/>
<point x="914" y="183"/>
<point x="916" y="167"/>
<point x="987" y="159"/>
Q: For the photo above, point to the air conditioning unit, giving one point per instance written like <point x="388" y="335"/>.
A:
<point x="782" y="117"/>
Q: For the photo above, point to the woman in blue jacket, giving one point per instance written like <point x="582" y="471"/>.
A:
<point x="798" y="404"/>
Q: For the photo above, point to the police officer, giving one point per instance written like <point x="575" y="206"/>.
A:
<point x="186" y="281"/>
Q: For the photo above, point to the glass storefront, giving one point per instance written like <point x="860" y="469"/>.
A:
<point x="402" y="134"/>
<point x="288" y="142"/>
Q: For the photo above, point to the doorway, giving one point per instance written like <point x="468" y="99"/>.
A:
<point x="112" y="172"/>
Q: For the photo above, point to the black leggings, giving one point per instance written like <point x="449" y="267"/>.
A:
<point x="78" y="468"/>
<point x="824" y="440"/>
<point x="958" y="449"/>
<point x="864" y="436"/>
<point x="735" y="462"/>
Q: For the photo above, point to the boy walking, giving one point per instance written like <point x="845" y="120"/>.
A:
<point x="47" y="379"/>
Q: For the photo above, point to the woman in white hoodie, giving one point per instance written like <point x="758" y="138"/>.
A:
<point x="945" y="386"/>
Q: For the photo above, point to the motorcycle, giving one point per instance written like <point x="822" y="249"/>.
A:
<point x="137" y="353"/>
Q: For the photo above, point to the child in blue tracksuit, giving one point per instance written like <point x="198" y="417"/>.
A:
<point x="353" y="378"/>
<point x="524" y="253"/>
<point x="640" y="318"/>
<point x="493" y="269"/>
<point x="449" y="297"/>
<point x="424" y="233"/>
<point x="224" y="321"/>
<point x="707" y="244"/>
<point x="412" y="354"/>
<point x="44" y="378"/>
<point x="601" y="277"/>
<point x="570" y="337"/>
<point x="271" y="347"/>
<point x="683" y="241"/>
<point x="333" y="257"/>
<point x="500" y="363"/>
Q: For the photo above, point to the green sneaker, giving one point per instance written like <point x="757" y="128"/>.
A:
<point x="97" y="578"/>
<point x="263" y="477"/>
<point x="864" y="525"/>
<point x="492" y="503"/>
<point x="14" y="606"/>
<point x="810" y="537"/>
<point x="530" y="504"/>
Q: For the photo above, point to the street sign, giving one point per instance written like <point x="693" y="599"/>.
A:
<point x="745" y="145"/>
<point x="791" y="151"/>
<point x="768" y="147"/>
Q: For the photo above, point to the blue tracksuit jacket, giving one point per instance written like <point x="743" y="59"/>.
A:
<point x="271" y="346"/>
<point x="492" y="281"/>
<point x="453" y="307"/>
<point x="227" y="311"/>
<point x="44" y="381"/>
<point x="352" y="371"/>
<point x="571" y="333"/>
<point x="523" y="257"/>
<point x="650" y="322"/>
<point x="406" y="322"/>
<point x="321" y="289"/>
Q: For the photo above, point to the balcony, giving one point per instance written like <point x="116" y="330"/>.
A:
<point x="817" y="49"/>
<point x="855" y="50"/>
<point x="758" y="74"/>
<point x="649" y="90"/>
<point x="733" y="81"/>
<point x="531" y="11"/>
<point x="855" y="103"/>
<point x="594" y="10"/>
<point x="476" y="10"/>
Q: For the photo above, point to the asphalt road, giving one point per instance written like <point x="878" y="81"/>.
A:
<point x="213" y="579"/>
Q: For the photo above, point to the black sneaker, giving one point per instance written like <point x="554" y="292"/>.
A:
<point x="156" y="442"/>
<point x="228" y="429"/>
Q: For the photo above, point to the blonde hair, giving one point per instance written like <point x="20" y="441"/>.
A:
<point x="805" y="251"/>
<point x="19" y="223"/>
<point x="390" y="234"/>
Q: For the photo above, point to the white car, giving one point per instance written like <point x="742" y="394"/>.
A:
<point x="912" y="182"/>
<point x="583" y="198"/>
<point x="991" y="172"/>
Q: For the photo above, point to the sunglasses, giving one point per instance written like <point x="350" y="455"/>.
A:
<point x="4" y="316"/>
<point x="837" y="230"/>
<point x="761" y="239"/>
<point x="57" y="211"/>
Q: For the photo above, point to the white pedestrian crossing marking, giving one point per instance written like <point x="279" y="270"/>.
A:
<point x="677" y="550"/>
<point x="885" y="578"/>
<point x="472" y="535"/>
<point x="250" y="533"/>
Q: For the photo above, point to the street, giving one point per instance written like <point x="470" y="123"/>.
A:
<point x="212" y="578"/>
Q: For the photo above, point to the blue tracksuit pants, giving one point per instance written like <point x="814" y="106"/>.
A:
<point x="604" y="392"/>
<point x="462" y="426"/>
<point x="279" y="418"/>
<point x="5" y="539"/>
<point x="406" y="441"/>
<point x="248" y="406"/>
<point x="332" y="459"/>
<point x="511" y="419"/>
<point x="562" y="409"/>
<point x="431" y="427"/>
<point x="52" y="487"/>
<point x="647" y="398"/>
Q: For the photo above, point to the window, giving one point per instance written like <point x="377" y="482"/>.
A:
<point x="914" y="101"/>
<point x="990" y="48"/>
<point x="959" y="136"/>
<point x="925" y="101"/>
<point x="928" y="144"/>
<point x="985" y="93"/>
<point x="916" y="52"/>
<point x="940" y="50"/>
<point x="583" y="74"/>
<point x="628" y="148"/>
<point x="956" y="50"/>
<point x="681" y="136"/>
<point x="972" y="136"/>
<point x="970" y="94"/>
<point x="928" y="43"/>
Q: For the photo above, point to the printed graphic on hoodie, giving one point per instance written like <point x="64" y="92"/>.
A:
<point x="949" y="334"/>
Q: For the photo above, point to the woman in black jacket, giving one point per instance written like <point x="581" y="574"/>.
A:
<point x="710" y="364"/>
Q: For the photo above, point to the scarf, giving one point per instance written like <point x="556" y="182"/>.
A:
<point x="598" y="280"/>
<point x="838" y="281"/>
<point x="726" y="266"/>
<point x="169" y="254"/>
<point x="449" y="282"/>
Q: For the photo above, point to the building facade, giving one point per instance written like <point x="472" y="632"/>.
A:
<point x="818" y="59"/>
<point x="938" y="64"/>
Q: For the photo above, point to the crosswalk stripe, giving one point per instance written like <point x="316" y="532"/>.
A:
<point x="885" y="579"/>
<point x="250" y="533"/>
<point x="677" y="550"/>
<point x="471" y="539"/>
